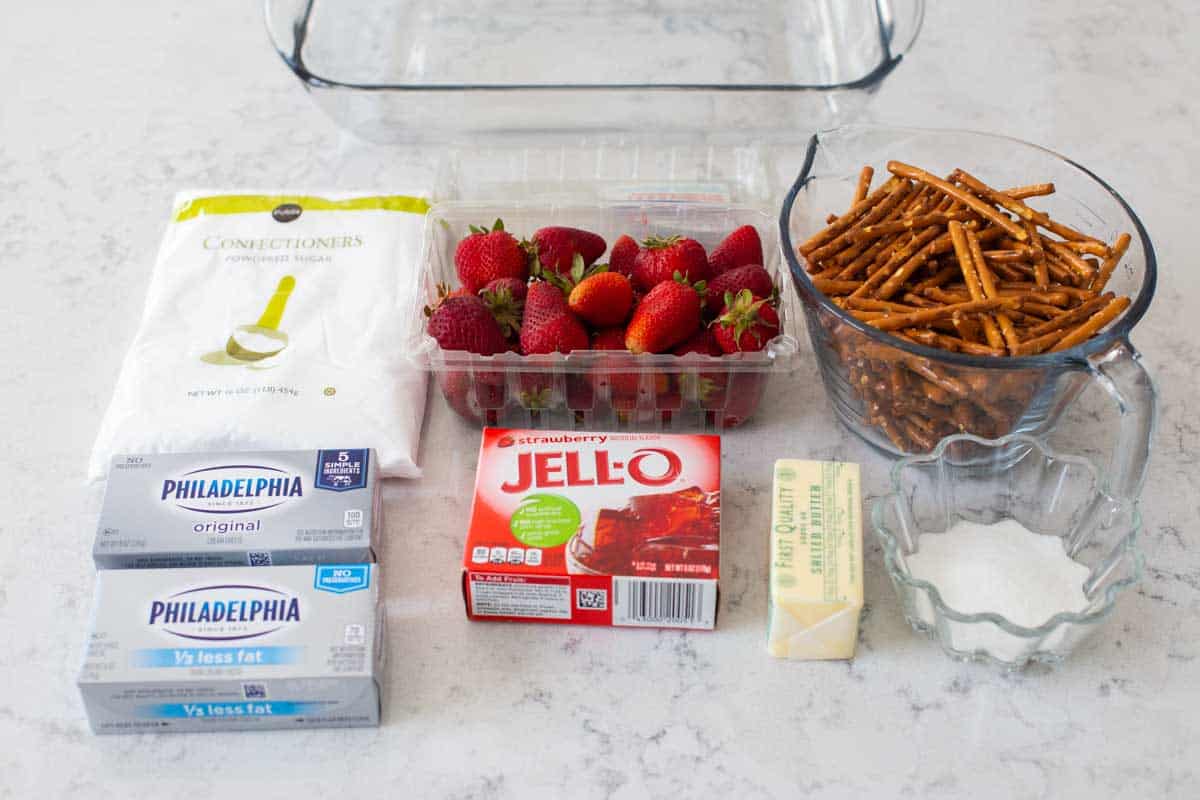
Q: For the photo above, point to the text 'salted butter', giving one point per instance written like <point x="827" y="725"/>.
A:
<point x="234" y="649"/>
<point x="239" y="509"/>
<point x="816" y="589"/>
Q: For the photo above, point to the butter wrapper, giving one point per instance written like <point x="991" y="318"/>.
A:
<point x="816" y="588"/>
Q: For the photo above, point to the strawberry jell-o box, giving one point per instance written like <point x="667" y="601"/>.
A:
<point x="616" y="529"/>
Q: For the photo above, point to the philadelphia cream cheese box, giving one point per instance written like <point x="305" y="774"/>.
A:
<point x="239" y="509"/>
<point x="234" y="649"/>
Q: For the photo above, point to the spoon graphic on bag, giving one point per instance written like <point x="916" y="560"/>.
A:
<point x="263" y="339"/>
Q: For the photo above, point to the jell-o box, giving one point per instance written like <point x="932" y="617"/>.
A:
<point x="617" y="529"/>
<point x="816" y="588"/>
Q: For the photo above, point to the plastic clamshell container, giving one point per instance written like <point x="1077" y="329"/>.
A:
<point x="601" y="390"/>
<point x="408" y="71"/>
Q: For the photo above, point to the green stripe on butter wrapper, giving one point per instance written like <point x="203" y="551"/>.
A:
<point x="257" y="203"/>
<point x="816" y="589"/>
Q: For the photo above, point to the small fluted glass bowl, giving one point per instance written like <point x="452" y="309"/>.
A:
<point x="986" y="481"/>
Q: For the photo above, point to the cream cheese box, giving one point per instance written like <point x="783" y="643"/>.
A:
<point x="240" y="648"/>
<point x="261" y="508"/>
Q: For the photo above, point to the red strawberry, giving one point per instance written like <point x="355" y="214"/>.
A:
<point x="615" y="371"/>
<point x="555" y="248"/>
<point x="749" y="276"/>
<point x="738" y="249"/>
<point x="609" y="339"/>
<point x="662" y="258"/>
<point x="465" y="323"/>
<point x="667" y="315"/>
<point x="602" y="299"/>
<point x="515" y="286"/>
<point x="486" y="255"/>
<point x="700" y="342"/>
<point x="505" y="298"/>
<point x="745" y="393"/>
<point x="548" y="325"/>
<point x="543" y="301"/>
<point x="746" y="322"/>
<point x="623" y="254"/>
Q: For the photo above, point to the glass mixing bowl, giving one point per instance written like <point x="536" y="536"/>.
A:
<point x="875" y="379"/>
<point x="1015" y="477"/>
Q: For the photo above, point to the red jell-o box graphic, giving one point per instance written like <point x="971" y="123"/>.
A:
<point x="595" y="528"/>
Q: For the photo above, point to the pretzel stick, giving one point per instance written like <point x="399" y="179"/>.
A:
<point x="1005" y="256"/>
<point x="864" y="184"/>
<point x="868" y="257"/>
<point x="1021" y="210"/>
<point x="868" y="304"/>
<point x="966" y="198"/>
<point x="1031" y="347"/>
<point x="900" y="256"/>
<point x="1041" y="273"/>
<point x="954" y="344"/>
<point x="828" y="286"/>
<point x="1071" y="258"/>
<point x="1071" y="291"/>
<point x="830" y="219"/>
<point x="1087" y="329"/>
<point x="1110" y="264"/>
<point x="1032" y="190"/>
<point x="1089" y="248"/>
<point x="926" y="315"/>
<point x="1073" y="316"/>
<point x="843" y="240"/>
<point x="1060" y="271"/>
<point x="909" y="223"/>
<point x="845" y="220"/>
<point x="937" y="279"/>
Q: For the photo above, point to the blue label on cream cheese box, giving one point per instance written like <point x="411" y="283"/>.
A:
<point x="257" y="509"/>
<point x="342" y="578"/>
<point x="342" y="470"/>
<point x="232" y="649"/>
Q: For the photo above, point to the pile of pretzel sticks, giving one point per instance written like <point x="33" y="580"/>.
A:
<point x="957" y="265"/>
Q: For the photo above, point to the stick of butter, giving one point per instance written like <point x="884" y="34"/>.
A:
<point x="816" y="594"/>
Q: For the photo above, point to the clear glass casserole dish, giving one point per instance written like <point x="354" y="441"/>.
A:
<point x="984" y="482"/>
<point x="877" y="382"/>
<point x="410" y="71"/>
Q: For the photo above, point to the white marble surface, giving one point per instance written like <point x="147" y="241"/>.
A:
<point x="109" y="108"/>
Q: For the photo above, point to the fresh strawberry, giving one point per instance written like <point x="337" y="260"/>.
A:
<point x="750" y="276"/>
<point x="548" y="325"/>
<point x="443" y="292"/>
<point x="702" y="341"/>
<point x="515" y="286"/>
<point x="609" y="339"/>
<point x="486" y="255"/>
<point x="660" y="259"/>
<point x="667" y="315"/>
<point x="554" y="248"/>
<point x="465" y="323"/>
<point x="738" y="249"/>
<point x="744" y="395"/>
<point x="475" y="396"/>
<point x="746" y="322"/>
<point x="505" y="298"/>
<point x="615" y="371"/>
<point x="602" y="299"/>
<point x="543" y="302"/>
<point x="623" y="254"/>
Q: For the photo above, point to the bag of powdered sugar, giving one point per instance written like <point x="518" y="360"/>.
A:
<point x="272" y="322"/>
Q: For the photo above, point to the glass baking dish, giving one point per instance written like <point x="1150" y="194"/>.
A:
<point x="411" y="71"/>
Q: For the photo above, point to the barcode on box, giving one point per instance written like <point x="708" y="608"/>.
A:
<point x="658" y="602"/>
<point x="258" y="559"/>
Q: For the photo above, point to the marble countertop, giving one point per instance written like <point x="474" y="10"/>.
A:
<point x="110" y="108"/>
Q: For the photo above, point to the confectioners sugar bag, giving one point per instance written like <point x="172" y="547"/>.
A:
<point x="274" y="322"/>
